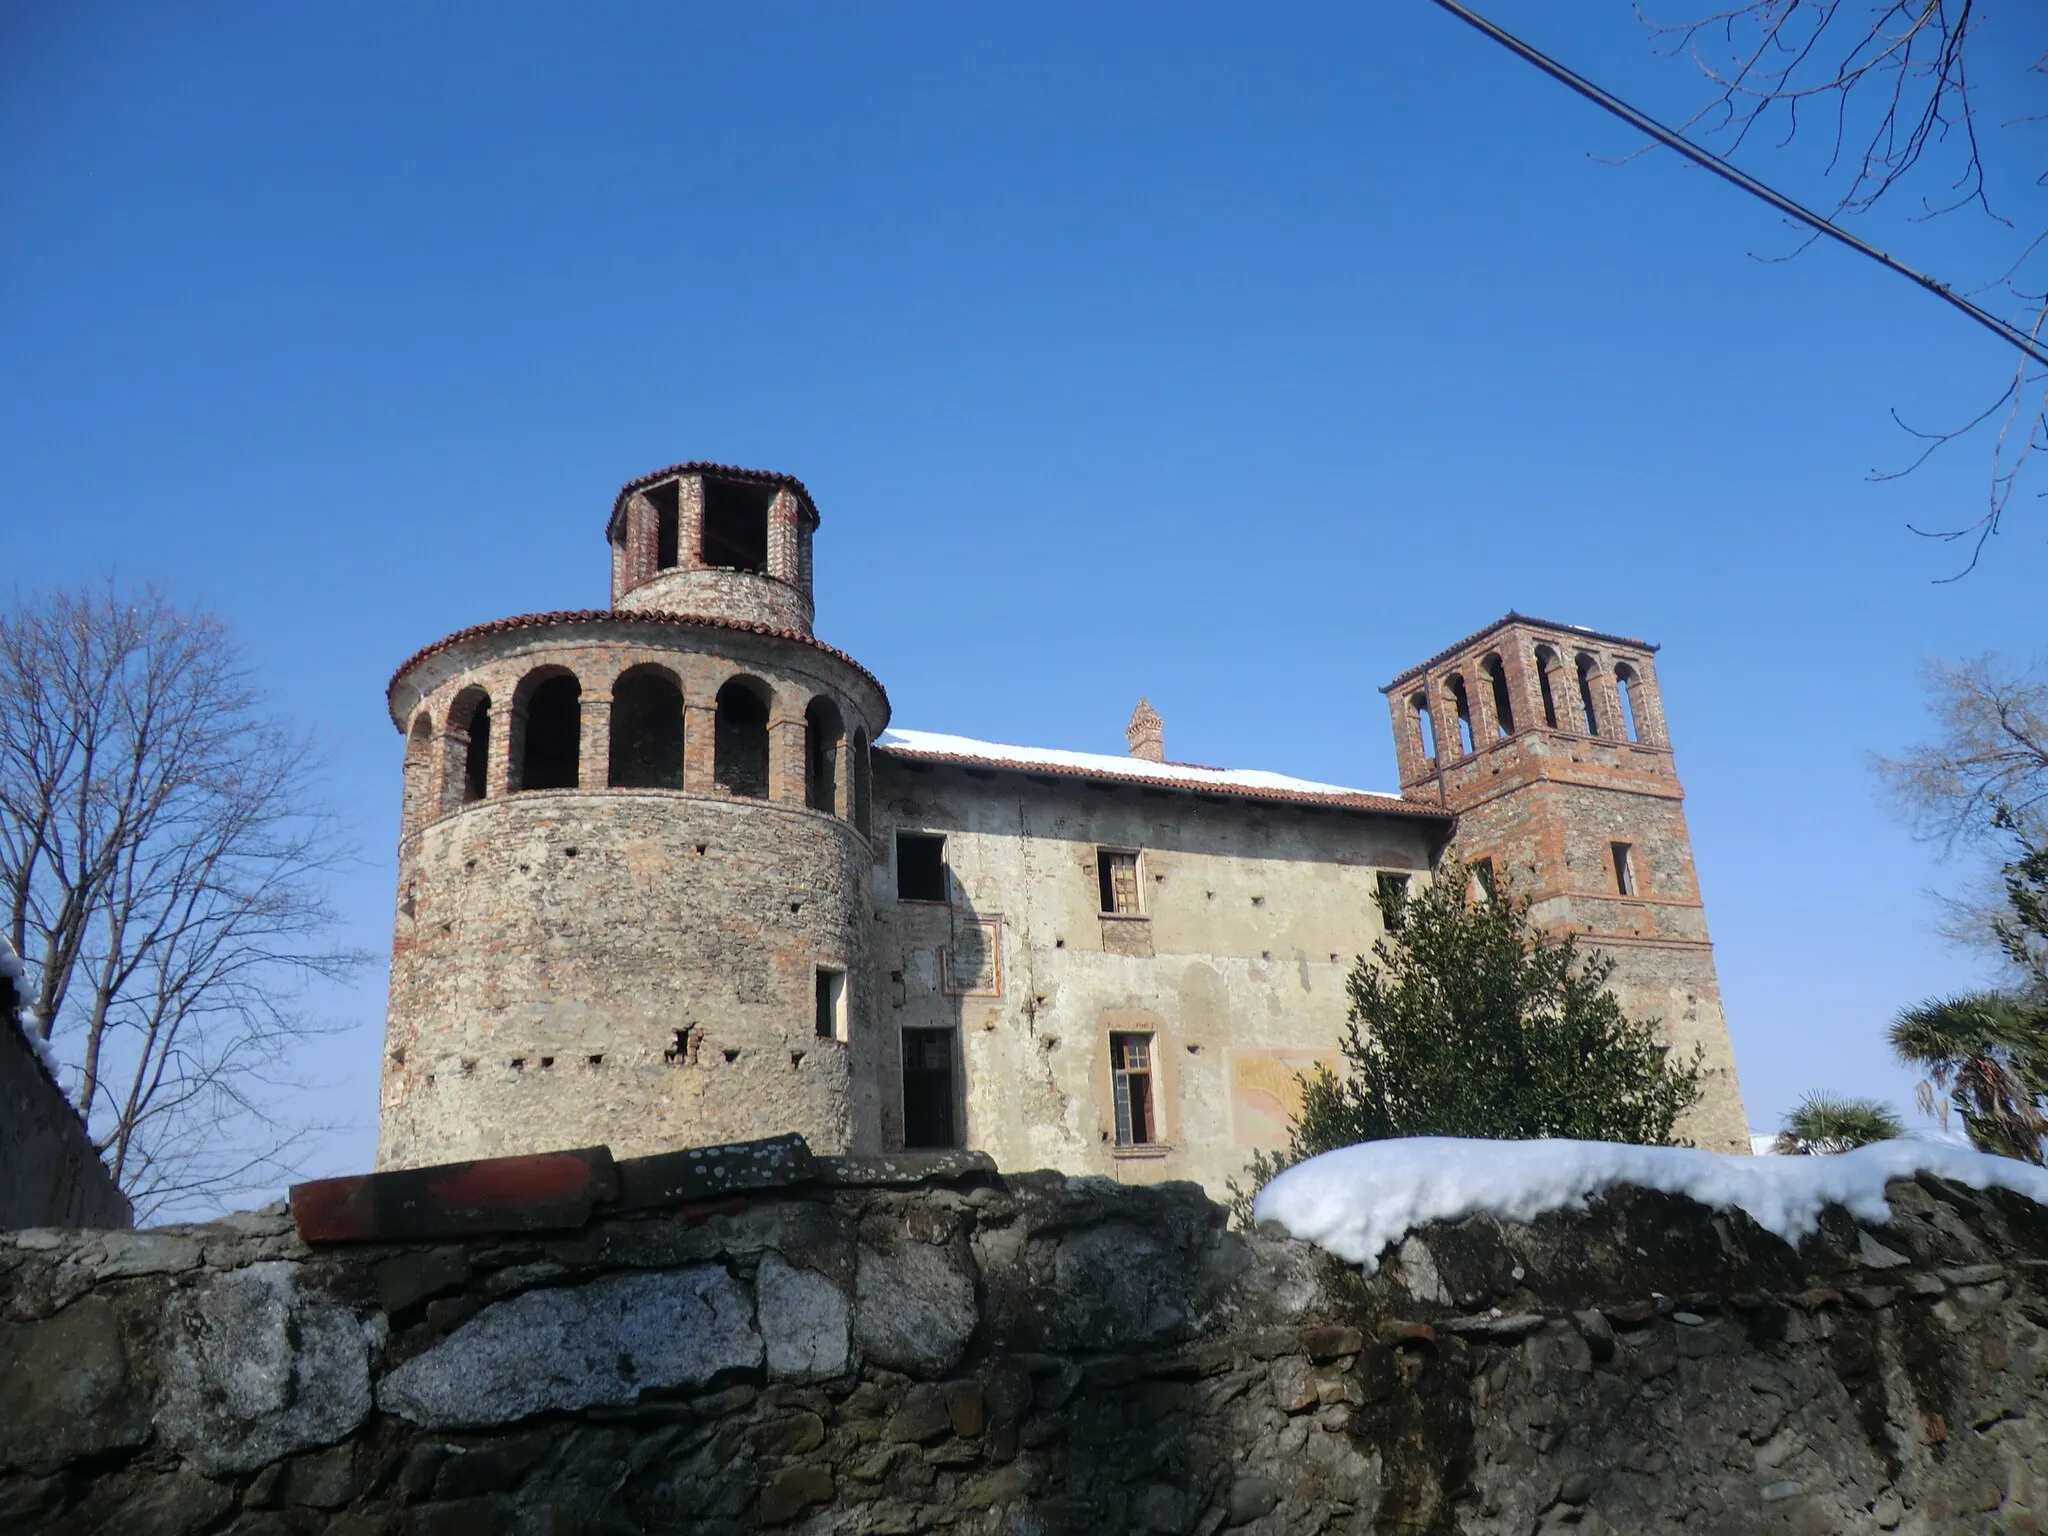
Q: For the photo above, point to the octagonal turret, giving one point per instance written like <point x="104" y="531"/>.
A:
<point x="711" y="541"/>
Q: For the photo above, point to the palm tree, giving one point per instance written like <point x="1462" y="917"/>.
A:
<point x="1988" y="1052"/>
<point x="1823" y="1123"/>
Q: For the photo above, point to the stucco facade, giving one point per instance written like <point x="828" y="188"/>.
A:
<point x="666" y="878"/>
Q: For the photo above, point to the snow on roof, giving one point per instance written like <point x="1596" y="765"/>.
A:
<point x="1357" y="1200"/>
<point x="1244" y="781"/>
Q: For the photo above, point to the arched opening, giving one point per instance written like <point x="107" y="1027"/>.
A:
<point x="1503" y="707"/>
<point x="552" y="747"/>
<point x="1425" y="726"/>
<point x="822" y="733"/>
<point x="647" y="730"/>
<point x="1546" y="665"/>
<point x="1456" y="685"/>
<point x="1625" y="690"/>
<point x="419" y="769"/>
<point x="736" y="524"/>
<point x="470" y="716"/>
<point x="1587" y="669"/>
<point x="740" y="751"/>
<point x="863" y="785"/>
<point x="667" y="501"/>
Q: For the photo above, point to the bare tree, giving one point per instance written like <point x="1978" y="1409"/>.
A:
<point x="1991" y="750"/>
<point x="1983" y="778"/>
<point x="1888" y="85"/>
<point x="162" y="856"/>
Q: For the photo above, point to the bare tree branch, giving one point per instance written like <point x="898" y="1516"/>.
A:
<point x="1894" y="80"/>
<point x="162" y="856"/>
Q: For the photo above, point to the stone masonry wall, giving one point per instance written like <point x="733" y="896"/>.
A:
<point x="898" y="1347"/>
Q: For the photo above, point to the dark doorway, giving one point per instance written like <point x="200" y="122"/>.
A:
<point x="647" y="731"/>
<point x="736" y="524"/>
<point x="928" y="1090"/>
<point x="554" y="735"/>
<point x="740" y="750"/>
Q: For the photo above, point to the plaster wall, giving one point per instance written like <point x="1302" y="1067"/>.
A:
<point x="1252" y="918"/>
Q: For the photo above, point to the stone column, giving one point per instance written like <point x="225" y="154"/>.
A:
<point x="1524" y="692"/>
<point x="700" y="748"/>
<point x="843" y="777"/>
<point x="784" y="562"/>
<point x="508" y="737"/>
<point x="690" y="524"/>
<point x="786" y="760"/>
<point x="594" y="742"/>
<point x="1608" y="702"/>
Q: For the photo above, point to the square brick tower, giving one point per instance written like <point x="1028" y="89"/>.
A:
<point x="1549" y="742"/>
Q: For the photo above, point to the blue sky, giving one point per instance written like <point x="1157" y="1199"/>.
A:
<point x="1235" y="359"/>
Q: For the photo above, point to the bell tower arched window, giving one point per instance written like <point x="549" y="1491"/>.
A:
<point x="647" y="730"/>
<point x="740" y="751"/>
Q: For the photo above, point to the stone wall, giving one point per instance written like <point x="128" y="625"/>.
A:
<point x="898" y="1347"/>
<point x="49" y="1172"/>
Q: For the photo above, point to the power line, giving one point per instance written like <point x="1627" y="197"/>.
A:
<point x="1670" y="138"/>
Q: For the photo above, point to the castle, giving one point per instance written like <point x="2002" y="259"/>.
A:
<point x="667" y="878"/>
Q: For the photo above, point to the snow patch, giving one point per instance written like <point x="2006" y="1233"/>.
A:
<point x="935" y="744"/>
<point x="1357" y="1200"/>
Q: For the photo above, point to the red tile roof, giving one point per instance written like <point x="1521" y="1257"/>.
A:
<point x="576" y="616"/>
<point x="704" y="467"/>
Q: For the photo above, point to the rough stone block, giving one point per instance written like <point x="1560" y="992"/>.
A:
<point x="915" y="1308"/>
<point x="532" y="1193"/>
<point x="704" y="1173"/>
<point x="255" y="1368"/>
<point x="66" y="1391"/>
<point x="608" y="1341"/>
<point x="805" y="1319"/>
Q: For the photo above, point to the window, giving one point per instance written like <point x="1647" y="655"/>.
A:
<point x="1546" y="663"/>
<point x="920" y="866"/>
<point x="1425" y="726"/>
<point x="1483" y="886"/>
<point x="1456" y="685"/>
<point x="476" y="757"/>
<point x="554" y="735"/>
<point x="863" y="785"/>
<point x="928" y="1090"/>
<point x="831" y="1011"/>
<point x="736" y="524"/>
<point x="1117" y="874"/>
<point x="740" y="745"/>
<point x="822" y="732"/>
<point x="667" y="503"/>
<point x="1587" y="668"/>
<point x="1503" y="707"/>
<point x="1624" y="869"/>
<point x="1393" y="895"/>
<point x="1625" y="688"/>
<point x="647" y="731"/>
<point x="1130" y="1070"/>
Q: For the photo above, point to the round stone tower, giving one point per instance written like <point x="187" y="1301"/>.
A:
<point x="631" y="896"/>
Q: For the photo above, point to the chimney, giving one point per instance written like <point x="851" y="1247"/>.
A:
<point x="1146" y="733"/>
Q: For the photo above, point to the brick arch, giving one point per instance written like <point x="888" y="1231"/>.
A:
<point x="744" y="709"/>
<point x="466" y="766"/>
<point x="646" y="732"/>
<point x="824" y="747"/>
<point x="547" y="729"/>
<point x="417" y="795"/>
